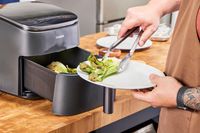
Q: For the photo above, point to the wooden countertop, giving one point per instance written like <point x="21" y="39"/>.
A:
<point x="20" y="115"/>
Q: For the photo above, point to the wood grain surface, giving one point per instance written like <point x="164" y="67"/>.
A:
<point x="26" y="116"/>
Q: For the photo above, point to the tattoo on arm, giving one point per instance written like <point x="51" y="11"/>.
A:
<point x="191" y="98"/>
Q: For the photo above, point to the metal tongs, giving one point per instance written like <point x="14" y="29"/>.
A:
<point x="124" y="62"/>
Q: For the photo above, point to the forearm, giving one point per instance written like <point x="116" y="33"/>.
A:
<point x="191" y="98"/>
<point x="164" y="7"/>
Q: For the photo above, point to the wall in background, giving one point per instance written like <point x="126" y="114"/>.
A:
<point x="85" y="9"/>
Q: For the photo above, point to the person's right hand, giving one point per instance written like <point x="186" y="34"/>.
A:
<point x="145" y="17"/>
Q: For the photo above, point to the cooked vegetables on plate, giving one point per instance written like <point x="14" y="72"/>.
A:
<point x="98" y="70"/>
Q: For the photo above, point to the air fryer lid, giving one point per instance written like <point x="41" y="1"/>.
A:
<point x="37" y="16"/>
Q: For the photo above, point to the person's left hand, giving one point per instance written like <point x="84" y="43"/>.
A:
<point x="164" y="93"/>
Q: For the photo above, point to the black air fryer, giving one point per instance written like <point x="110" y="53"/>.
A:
<point x="32" y="35"/>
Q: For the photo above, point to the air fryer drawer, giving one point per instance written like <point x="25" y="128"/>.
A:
<point x="69" y="93"/>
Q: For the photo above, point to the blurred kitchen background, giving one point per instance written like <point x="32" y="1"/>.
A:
<point x="96" y="15"/>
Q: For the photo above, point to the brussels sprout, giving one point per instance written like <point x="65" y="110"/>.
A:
<point x="86" y="68"/>
<point x="57" y="67"/>
<point x="95" y="62"/>
<point x="95" y="77"/>
<point x="71" y="70"/>
<point x="98" y="70"/>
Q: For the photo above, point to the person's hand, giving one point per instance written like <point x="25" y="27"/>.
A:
<point x="145" y="17"/>
<point x="164" y="93"/>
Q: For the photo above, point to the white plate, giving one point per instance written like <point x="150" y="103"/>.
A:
<point x="125" y="45"/>
<point x="136" y="76"/>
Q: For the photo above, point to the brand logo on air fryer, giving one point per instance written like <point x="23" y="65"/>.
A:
<point x="60" y="36"/>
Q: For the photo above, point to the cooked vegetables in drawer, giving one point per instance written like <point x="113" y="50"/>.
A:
<point x="59" y="67"/>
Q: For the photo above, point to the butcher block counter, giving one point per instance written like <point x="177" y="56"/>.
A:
<point x="34" y="116"/>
